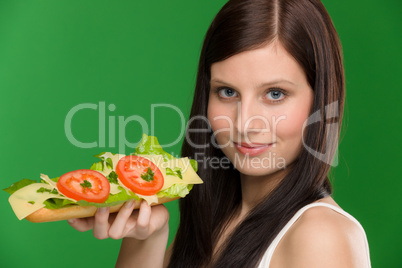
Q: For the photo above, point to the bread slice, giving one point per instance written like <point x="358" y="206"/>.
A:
<point x="72" y="212"/>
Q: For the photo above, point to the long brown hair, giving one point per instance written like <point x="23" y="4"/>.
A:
<point x="305" y="30"/>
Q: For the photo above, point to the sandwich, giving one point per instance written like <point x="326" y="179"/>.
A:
<point x="149" y="174"/>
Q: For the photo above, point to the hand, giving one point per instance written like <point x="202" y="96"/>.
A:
<point x="139" y="224"/>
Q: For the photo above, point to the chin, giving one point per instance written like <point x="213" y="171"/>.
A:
<point x="253" y="172"/>
<point x="259" y="166"/>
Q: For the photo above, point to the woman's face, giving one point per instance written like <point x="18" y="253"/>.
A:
<point x="258" y="102"/>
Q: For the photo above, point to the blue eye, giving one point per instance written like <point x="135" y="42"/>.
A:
<point x="275" y="95"/>
<point x="227" y="92"/>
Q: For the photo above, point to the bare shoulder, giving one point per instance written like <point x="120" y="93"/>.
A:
<point x="322" y="237"/>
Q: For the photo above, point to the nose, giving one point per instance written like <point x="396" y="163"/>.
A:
<point x="250" y="118"/>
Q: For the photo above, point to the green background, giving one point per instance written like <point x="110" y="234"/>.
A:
<point x="55" y="55"/>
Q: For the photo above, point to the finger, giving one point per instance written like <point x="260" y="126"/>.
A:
<point x="118" y="226"/>
<point x="143" y="219"/>
<point x="112" y="217"/>
<point x="101" y="223"/>
<point x="82" y="225"/>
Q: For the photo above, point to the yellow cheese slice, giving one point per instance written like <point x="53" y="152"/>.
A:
<point x="20" y="199"/>
<point x="115" y="159"/>
<point x="187" y="171"/>
<point x="114" y="188"/>
<point x="48" y="180"/>
<point x="106" y="171"/>
<point x="149" y="198"/>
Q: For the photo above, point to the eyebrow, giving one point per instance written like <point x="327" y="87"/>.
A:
<point x="271" y="83"/>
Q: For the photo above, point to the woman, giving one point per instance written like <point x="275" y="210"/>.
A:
<point x="271" y="84"/>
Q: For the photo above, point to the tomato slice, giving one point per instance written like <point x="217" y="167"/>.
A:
<point x="140" y="175"/>
<point x="84" y="184"/>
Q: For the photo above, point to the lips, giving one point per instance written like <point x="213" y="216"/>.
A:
<point x="252" y="149"/>
<point x="251" y="145"/>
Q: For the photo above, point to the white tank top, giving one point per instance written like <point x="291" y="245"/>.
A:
<point x="266" y="259"/>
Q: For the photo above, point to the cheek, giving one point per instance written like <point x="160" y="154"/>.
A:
<point x="291" y="126"/>
<point x="289" y="130"/>
<point x="220" y="118"/>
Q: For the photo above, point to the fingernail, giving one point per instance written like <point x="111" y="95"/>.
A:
<point x="103" y="209"/>
<point x="71" y="221"/>
<point x="129" y="204"/>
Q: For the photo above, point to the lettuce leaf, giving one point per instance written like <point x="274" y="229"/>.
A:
<point x="150" y="145"/>
<point x="54" y="203"/>
<point x="194" y="164"/>
<point x="114" y="199"/>
<point x="176" y="190"/>
<point x="98" y="166"/>
<point x="18" y="185"/>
